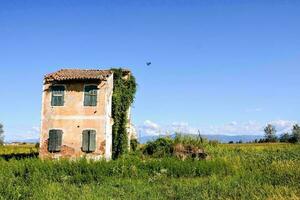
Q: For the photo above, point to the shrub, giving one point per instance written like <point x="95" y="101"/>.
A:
<point x="182" y="147"/>
<point x="133" y="144"/>
<point x="159" y="147"/>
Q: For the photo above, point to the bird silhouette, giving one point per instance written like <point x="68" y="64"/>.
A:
<point x="148" y="63"/>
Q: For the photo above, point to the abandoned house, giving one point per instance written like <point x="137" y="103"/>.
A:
<point x="76" y="116"/>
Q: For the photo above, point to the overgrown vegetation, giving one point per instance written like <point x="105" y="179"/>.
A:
<point x="123" y="96"/>
<point x="236" y="171"/>
<point x="134" y="144"/>
<point x="159" y="148"/>
<point x="182" y="147"/>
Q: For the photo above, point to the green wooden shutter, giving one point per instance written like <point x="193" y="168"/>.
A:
<point x="85" y="140"/>
<point x="60" y="99"/>
<point x="57" y="95"/>
<point x="58" y="140"/>
<point x="92" y="141"/>
<point x="55" y="100"/>
<point x="55" y="140"/>
<point x="93" y="93"/>
<point x="87" y="98"/>
<point x="88" y="140"/>
<point x="51" y="140"/>
<point x="90" y="95"/>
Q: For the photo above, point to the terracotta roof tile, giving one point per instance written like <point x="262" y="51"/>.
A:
<point x="78" y="74"/>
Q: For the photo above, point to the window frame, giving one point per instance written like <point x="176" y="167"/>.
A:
<point x="97" y="94"/>
<point x="61" y="140"/>
<point x="63" y="95"/>
<point x="88" y="151"/>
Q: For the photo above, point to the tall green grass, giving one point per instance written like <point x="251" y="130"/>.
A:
<point x="245" y="171"/>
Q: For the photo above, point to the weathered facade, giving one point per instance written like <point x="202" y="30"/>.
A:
<point x="76" y="114"/>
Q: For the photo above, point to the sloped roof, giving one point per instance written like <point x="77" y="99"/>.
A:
<point x="78" y="74"/>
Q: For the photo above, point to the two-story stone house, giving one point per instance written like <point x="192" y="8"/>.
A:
<point x="76" y="116"/>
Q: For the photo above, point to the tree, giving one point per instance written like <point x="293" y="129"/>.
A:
<point x="239" y="142"/>
<point x="270" y="133"/>
<point x="295" y="134"/>
<point x="1" y="135"/>
<point x="285" y="137"/>
<point x="261" y="140"/>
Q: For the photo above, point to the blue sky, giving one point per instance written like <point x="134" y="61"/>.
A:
<point x="218" y="66"/>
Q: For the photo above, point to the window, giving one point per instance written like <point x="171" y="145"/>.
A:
<point x="90" y="95"/>
<point x="57" y="95"/>
<point x="89" y="140"/>
<point x="54" y="142"/>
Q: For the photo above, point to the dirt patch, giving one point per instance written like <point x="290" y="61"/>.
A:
<point x="189" y="151"/>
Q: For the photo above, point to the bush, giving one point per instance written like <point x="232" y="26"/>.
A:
<point x="134" y="144"/>
<point x="182" y="147"/>
<point x="159" y="147"/>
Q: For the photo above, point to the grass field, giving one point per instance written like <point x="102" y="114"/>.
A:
<point x="235" y="171"/>
<point x="18" y="149"/>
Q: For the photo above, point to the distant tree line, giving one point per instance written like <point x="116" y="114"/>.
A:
<point x="270" y="136"/>
<point x="237" y="142"/>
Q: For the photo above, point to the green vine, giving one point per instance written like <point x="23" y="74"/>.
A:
<point x="123" y="96"/>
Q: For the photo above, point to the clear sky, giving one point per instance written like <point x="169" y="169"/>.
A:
<point x="218" y="66"/>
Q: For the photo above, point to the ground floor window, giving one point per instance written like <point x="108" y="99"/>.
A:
<point x="54" y="141"/>
<point x="89" y="140"/>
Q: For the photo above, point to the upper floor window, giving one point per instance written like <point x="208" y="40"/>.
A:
<point x="90" y="95"/>
<point x="89" y="140"/>
<point x="57" y="95"/>
<point x="54" y="142"/>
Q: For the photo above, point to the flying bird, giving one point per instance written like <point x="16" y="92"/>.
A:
<point x="148" y="63"/>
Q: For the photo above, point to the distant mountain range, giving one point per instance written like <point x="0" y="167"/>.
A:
<point x="33" y="140"/>
<point x="144" y="139"/>
<point x="221" y="138"/>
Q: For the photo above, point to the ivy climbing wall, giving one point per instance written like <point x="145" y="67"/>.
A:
<point x="123" y="96"/>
